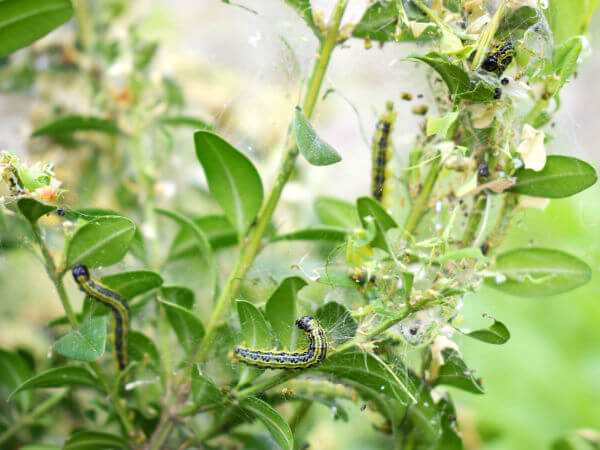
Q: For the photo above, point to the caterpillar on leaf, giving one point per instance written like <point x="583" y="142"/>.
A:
<point x="117" y="305"/>
<point x="313" y="355"/>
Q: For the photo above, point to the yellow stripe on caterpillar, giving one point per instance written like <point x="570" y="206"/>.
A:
<point x="117" y="305"/>
<point x="313" y="355"/>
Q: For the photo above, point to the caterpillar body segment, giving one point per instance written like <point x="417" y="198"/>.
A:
<point x="117" y="305"/>
<point x="382" y="153"/>
<point x="313" y="355"/>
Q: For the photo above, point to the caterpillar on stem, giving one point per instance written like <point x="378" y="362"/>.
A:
<point x="316" y="352"/>
<point x="382" y="153"/>
<point x="117" y="305"/>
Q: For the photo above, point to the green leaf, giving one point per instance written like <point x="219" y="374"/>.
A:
<point x="566" y="58"/>
<point x="497" y="333"/>
<point x="336" y="213"/>
<point x="23" y="22"/>
<point x="132" y="284"/>
<point x="568" y="18"/>
<point x="184" y="121"/>
<point x="42" y="447"/>
<point x="441" y="125"/>
<point x="255" y="333"/>
<point x="186" y="325"/>
<point x="15" y="370"/>
<point x="217" y="229"/>
<point x="337" y="321"/>
<point x="336" y="276"/>
<point x="204" y="390"/>
<point x="71" y="124"/>
<point x="60" y="377"/>
<point x="179" y="295"/>
<point x="316" y="151"/>
<point x="366" y="207"/>
<point x="203" y="245"/>
<point x="450" y="438"/>
<point x="102" y="241"/>
<point x="93" y="440"/>
<point x="304" y="10"/>
<point x="481" y="92"/>
<point x="562" y="176"/>
<point x="325" y="234"/>
<point x="33" y="209"/>
<point x="536" y="272"/>
<point x="277" y="426"/>
<point x="359" y="368"/>
<point x="141" y="348"/>
<point x="232" y="179"/>
<point x="87" y="343"/>
<point x="455" y="373"/>
<point x="453" y="75"/>
<point x="282" y="312"/>
<point x="378" y="22"/>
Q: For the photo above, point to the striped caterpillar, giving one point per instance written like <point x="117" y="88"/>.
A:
<point x="382" y="152"/>
<point x="117" y="305"/>
<point x="316" y="352"/>
<point x="498" y="58"/>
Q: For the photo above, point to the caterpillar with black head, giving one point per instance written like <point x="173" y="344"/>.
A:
<point x="313" y="355"/>
<point x="498" y="58"/>
<point x="117" y="305"/>
<point x="382" y="152"/>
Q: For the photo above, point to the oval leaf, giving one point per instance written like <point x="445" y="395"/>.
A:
<point x="364" y="369"/>
<point x="187" y="326"/>
<point x="536" y="272"/>
<point x="497" y="333"/>
<point x="562" y="176"/>
<point x="325" y="234"/>
<point x="366" y="206"/>
<point x="313" y="148"/>
<point x="282" y="312"/>
<point x="455" y="373"/>
<point x="87" y="343"/>
<point x="70" y="124"/>
<point x="141" y="348"/>
<point x="15" y="370"/>
<point x="204" y="390"/>
<point x="277" y="426"/>
<point x="60" y="377"/>
<point x="92" y="440"/>
<point x="179" y="295"/>
<point x="255" y="333"/>
<point x="132" y="284"/>
<point x="337" y="321"/>
<point x="453" y="75"/>
<point x="336" y="213"/>
<point x="217" y="229"/>
<point x="232" y="179"/>
<point x="33" y="209"/>
<point x="102" y="241"/>
<point x="23" y="22"/>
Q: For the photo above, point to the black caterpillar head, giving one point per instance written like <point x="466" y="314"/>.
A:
<point x="80" y="271"/>
<point x="304" y="323"/>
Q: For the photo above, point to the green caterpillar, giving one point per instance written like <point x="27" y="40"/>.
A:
<point x="316" y="352"/>
<point x="117" y="305"/>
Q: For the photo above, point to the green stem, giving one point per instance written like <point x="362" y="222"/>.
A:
<point x="84" y="24"/>
<point x="29" y="419"/>
<point x="253" y="243"/>
<point x="486" y="36"/>
<point x="420" y="206"/>
<point x="479" y="205"/>
<point x="299" y="414"/>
